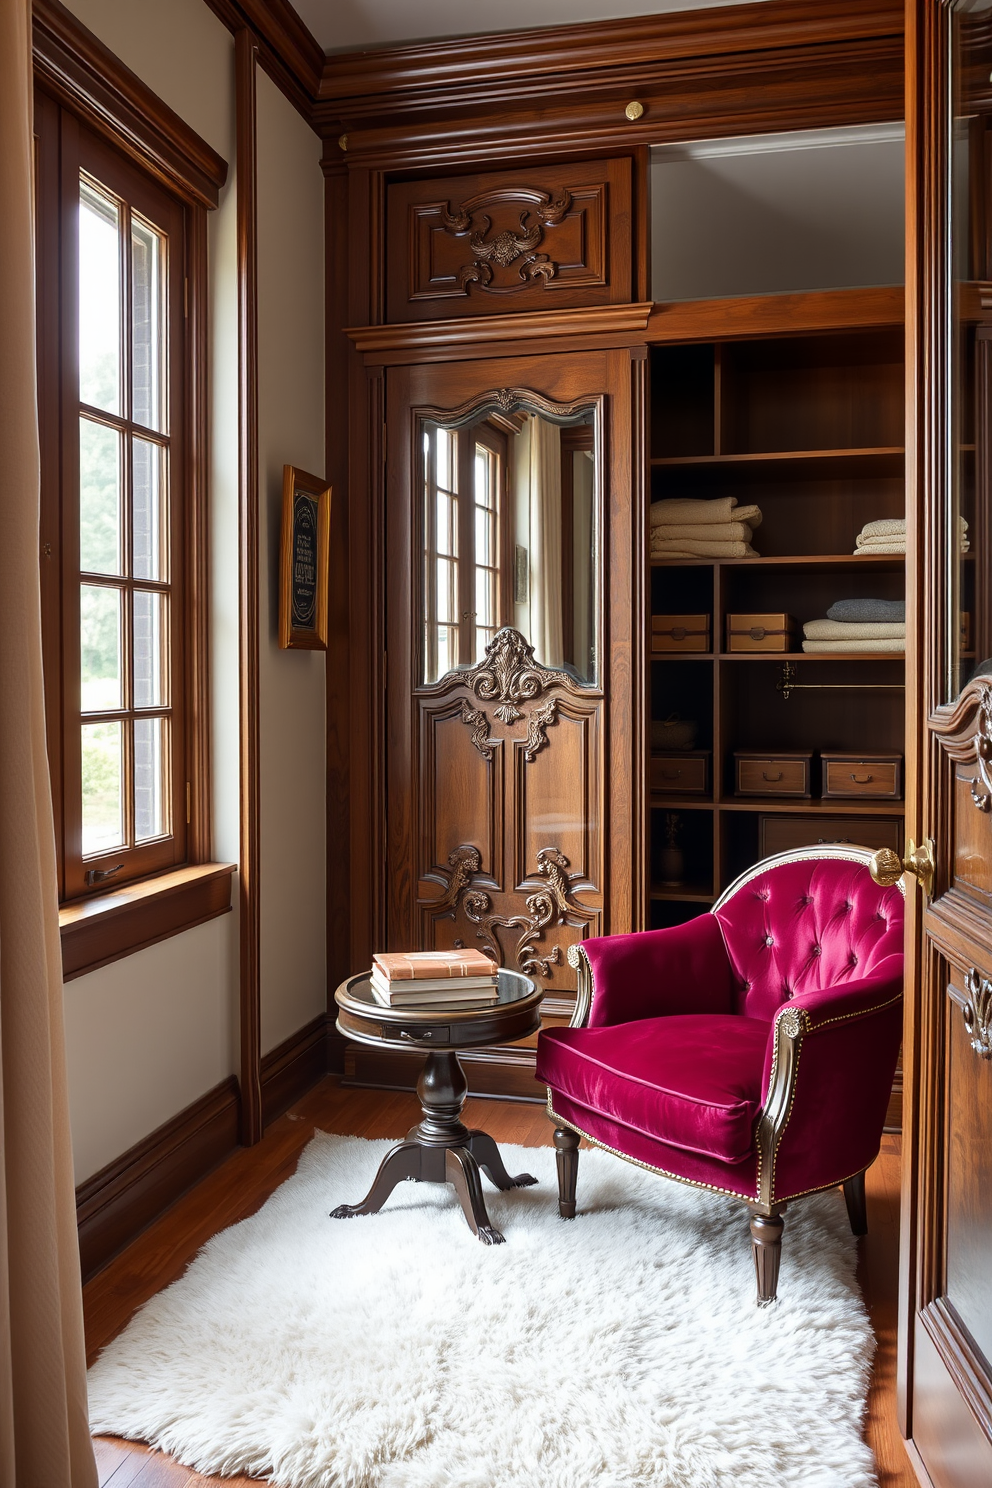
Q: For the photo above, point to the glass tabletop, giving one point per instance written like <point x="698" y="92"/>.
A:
<point x="512" y="986"/>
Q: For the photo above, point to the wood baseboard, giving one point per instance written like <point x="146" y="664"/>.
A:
<point x="127" y="1195"/>
<point x="294" y="1067"/>
<point x="507" y="1074"/>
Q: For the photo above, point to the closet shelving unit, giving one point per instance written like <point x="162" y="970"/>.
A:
<point x="803" y="417"/>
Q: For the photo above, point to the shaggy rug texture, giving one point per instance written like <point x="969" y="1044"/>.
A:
<point x="620" y="1350"/>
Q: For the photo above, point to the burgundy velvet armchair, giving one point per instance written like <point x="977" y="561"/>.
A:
<point x="749" y="1051"/>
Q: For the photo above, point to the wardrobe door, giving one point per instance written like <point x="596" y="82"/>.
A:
<point x="946" y="1336"/>
<point x="501" y="503"/>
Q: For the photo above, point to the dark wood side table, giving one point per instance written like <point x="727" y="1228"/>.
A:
<point x="441" y="1149"/>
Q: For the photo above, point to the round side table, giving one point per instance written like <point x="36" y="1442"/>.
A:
<point x="440" y="1149"/>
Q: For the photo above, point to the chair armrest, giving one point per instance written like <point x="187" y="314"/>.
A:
<point x="653" y="973"/>
<point x="828" y="1073"/>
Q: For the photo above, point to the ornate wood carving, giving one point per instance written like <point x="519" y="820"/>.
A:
<point x="546" y="908"/>
<point x="981" y="786"/>
<point x="977" y="1013"/>
<point x="475" y="244"/>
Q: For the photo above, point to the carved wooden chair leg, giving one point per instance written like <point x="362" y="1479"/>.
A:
<point x="567" y="1151"/>
<point x="857" y="1208"/>
<point x="766" y="1243"/>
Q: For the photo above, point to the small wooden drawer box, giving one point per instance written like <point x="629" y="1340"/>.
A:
<point x="786" y="833"/>
<point x="785" y="774"/>
<point x="686" y="774"/>
<point x="680" y="632"/>
<point x="858" y="775"/>
<point x="760" y="632"/>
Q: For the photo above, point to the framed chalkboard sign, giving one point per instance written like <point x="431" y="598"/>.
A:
<point x="306" y="520"/>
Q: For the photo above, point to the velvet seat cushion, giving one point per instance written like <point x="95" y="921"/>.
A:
<point x="692" y="1081"/>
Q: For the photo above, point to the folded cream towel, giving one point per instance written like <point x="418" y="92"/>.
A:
<point x="844" y="647"/>
<point x="885" y="527"/>
<point x="703" y="532"/>
<point x="880" y="547"/>
<point x="852" y="630"/>
<point x="696" y="549"/>
<point x="694" y="510"/>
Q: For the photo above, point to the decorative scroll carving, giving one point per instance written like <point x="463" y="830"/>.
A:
<point x="508" y="675"/>
<point x="981" y="785"/>
<point x="547" y="907"/>
<point x="977" y="1013"/>
<point x="507" y="246"/>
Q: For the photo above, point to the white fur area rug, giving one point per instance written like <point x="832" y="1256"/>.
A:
<point x="622" y="1349"/>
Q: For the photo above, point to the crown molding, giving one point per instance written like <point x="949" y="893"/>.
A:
<point x="287" y="50"/>
<point x="74" y="65"/>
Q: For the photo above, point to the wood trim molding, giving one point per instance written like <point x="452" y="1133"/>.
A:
<point x="770" y="315"/>
<point x="110" y="926"/>
<point x="197" y="571"/>
<point x="87" y="77"/>
<point x="698" y="74"/>
<point x="294" y="1066"/>
<point x="250" y="744"/>
<point x="477" y="332"/>
<point x="291" y="56"/>
<point x="125" y="1197"/>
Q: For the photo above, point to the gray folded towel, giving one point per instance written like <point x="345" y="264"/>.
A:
<point x="702" y="532"/>
<point x="689" y="548"/>
<point x="843" y="647"/>
<point x="864" y="611"/>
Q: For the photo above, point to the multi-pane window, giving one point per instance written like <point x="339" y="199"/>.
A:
<point x="116" y="362"/>
<point x="464" y="564"/>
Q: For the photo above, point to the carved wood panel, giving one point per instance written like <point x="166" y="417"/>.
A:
<point x="555" y="236"/>
<point x="510" y="862"/>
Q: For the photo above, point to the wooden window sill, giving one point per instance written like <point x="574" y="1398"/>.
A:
<point x="112" y="925"/>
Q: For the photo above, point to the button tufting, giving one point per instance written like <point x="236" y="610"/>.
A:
<point x="817" y="950"/>
<point x="848" y="905"/>
<point x="769" y="940"/>
<point x="854" y="959"/>
<point x="807" y="899"/>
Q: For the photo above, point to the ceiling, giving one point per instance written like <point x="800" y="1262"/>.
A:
<point x="347" y="25"/>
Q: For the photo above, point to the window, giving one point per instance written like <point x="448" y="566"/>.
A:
<point x="465" y="571"/>
<point x="113" y="415"/>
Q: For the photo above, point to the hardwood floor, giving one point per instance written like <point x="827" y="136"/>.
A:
<point x="244" y="1182"/>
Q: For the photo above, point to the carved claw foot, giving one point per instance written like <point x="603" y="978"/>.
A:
<point x="490" y="1236"/>
<point x="345" y="1211"/>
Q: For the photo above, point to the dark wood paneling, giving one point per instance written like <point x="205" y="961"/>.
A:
<point x="549" y="237"/>
<point x="248" y="619"/>
<point x="99" y="930"/>
<point x="87" y="77"/>
<point x="294" y="1066"/>
<point x="126" y="1196"/>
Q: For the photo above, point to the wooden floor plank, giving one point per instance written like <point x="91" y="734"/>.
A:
<point x="242" y="1184"/>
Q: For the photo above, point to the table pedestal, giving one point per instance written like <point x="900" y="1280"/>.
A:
<point x="442" y="1150"/>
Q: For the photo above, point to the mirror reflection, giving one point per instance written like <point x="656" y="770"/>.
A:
<point x="967" y="536"/>
<point x="511" y="537"/>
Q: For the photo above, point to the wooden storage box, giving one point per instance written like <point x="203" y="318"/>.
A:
<point x="761" y="632"/>
<point x="786" y="833"/>
<point x="681" y="774"/>
<point x="787" y="773"/>
<point x="680" y="632"/>
<point x="857" y="776"/>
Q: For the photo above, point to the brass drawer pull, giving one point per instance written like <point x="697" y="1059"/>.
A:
<point x="771" y="778"/>
<point x="414" y="1038"/>
<point x="862" y="779"/>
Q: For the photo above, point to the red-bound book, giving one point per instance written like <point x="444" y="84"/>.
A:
<point x="406" y="966"/>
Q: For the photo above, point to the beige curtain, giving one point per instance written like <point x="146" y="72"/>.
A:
<point x="44" y="1436"/>
<point x="546" y="631"/>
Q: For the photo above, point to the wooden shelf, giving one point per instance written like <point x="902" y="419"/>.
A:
<point x="691" y="894"/>
<point x="814" y="656"/>
<point x="659" y="802"/>
<point x="835" y="806"/>
<point x="822" y="562"/>
<point x="838" y="464"/>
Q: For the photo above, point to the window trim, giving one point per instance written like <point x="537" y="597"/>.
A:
<point x="75" y="71"/>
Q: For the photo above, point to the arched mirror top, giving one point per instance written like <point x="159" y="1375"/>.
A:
<point x="511" y="532"/>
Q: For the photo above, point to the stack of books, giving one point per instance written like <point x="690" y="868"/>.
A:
<point x="434" y="979"/>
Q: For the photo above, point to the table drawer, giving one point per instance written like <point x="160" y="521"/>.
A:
<point x="418" y="1033"/>
<point x="778" y="834"/>
<point x="772" y="774"/>
<point x="680" y="774"/>
<point x="855" y="775"/>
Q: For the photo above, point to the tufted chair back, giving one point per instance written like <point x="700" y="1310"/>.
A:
<point x="806" y="920"/>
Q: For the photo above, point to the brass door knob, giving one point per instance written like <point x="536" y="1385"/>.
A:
<point x="886" y="867"/>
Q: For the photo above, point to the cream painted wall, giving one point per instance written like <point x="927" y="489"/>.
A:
<point x="149" y="1034"/>
<point x="291" y="431"/>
